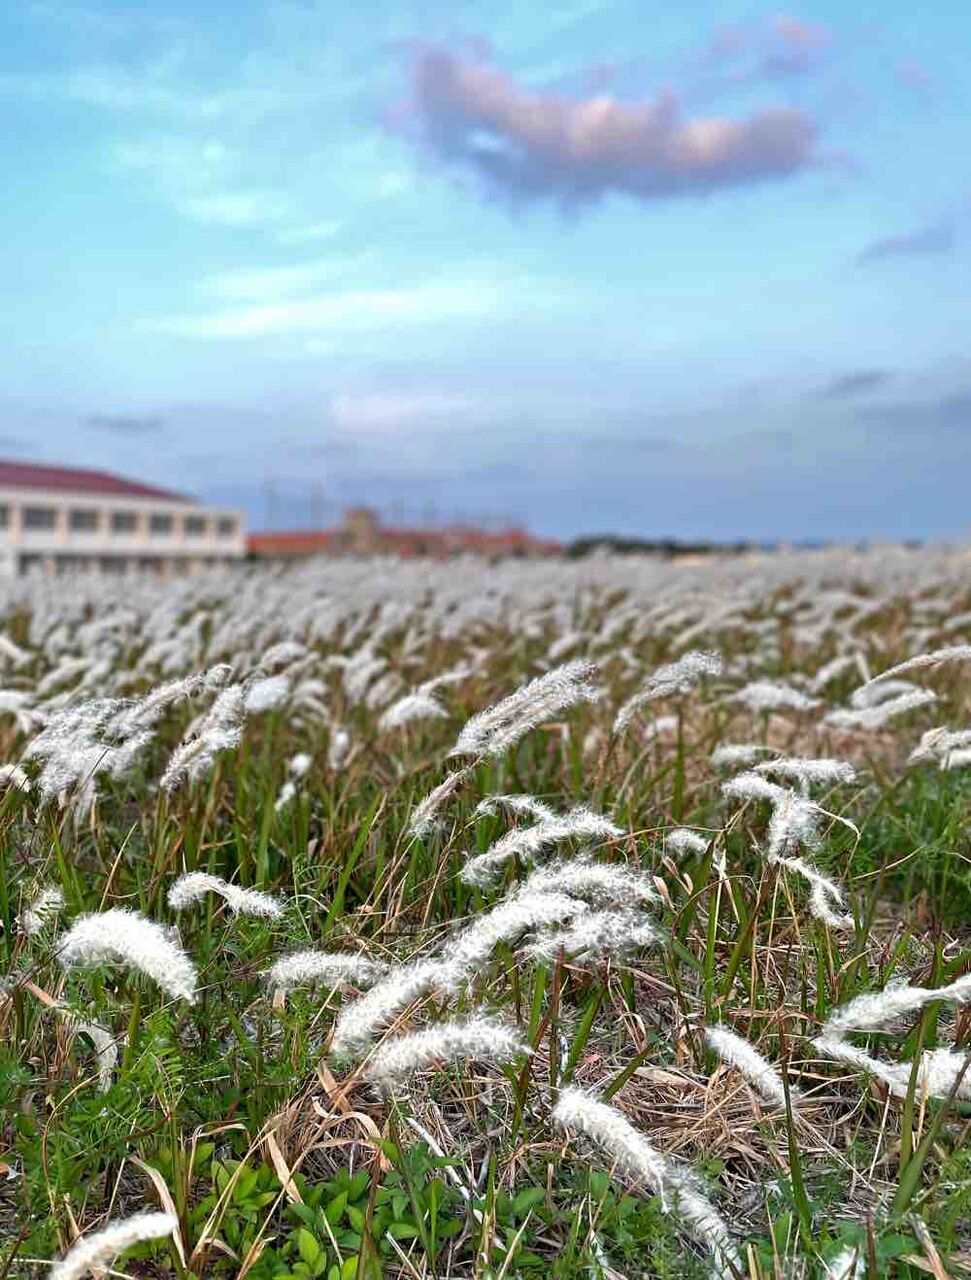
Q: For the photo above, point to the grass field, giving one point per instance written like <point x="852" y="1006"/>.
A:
<point x="523" y="1045"/>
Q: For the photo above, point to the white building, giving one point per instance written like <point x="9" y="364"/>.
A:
<point x="59" y="519"/>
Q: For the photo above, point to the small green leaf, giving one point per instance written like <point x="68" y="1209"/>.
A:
<point x="307" y="1246"/>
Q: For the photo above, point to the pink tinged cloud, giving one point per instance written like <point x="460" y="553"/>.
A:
<point x="531" y="144"/>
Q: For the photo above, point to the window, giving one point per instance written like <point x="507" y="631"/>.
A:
<point x="39" y="518"/>
<point x="83" y="520"/>
<point x="226" y="527"/>
<point x="123" y="522"/>
<point x="160" y="525"/>
<point x="195" y="526"/>
<point x="4" y="516"/>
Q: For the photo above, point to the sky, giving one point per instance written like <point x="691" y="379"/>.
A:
<point x="689" y="269"/>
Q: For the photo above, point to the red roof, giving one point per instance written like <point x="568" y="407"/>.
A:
<point x="298" y="543"/>
<point x="402" y="542"/>
<point x="30" y="475"/>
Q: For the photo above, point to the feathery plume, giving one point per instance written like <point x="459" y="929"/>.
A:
<point x="683" y="840"/>
<point x="96" y="1251"/>
<point x="194" y="885"/>
<point x="736" y="1052"/>
<point x="124" y="937"/>
<point x="483" y="1038"/>
<point x="527" y="842"/>
<point x="43" y="908"/>
<point x="771" y="695"/>
<point x="521" y="911"/>
<point x="521" y="805"/>
<point x="338" y="750"/>
<point x="637" y="1158"/>
<point x="598" y="934"/>
<point x="809" y="772"/>
<point x="936" y="658"/>
<point x="11" y="775"/>
<point x="363" y="1019"/>
<point x="584" y="878"/>
<point x="424" y="816"/>
<point x="305" y="967"/>
<point x="734" y="755"/>
<point x="676" y="678"/>
<point x="876" y="717"/>
<point x="266" y="695"/>
<point x="497" y="729"/>
<point x="412" y="707"/>
<point x="220" y="729"/>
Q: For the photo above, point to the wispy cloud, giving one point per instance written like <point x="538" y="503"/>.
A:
<point x="279" y="282"/>
<point x="354" y="310"/>
<point x="778" y="49"/>
<point x="530" y="144"/>
<point x="931" y="241"/>
<point x="948" y="414"/>
<point x="125" y="424"/>
<point x="389" y="410"/>
<point x="848" y="385"/>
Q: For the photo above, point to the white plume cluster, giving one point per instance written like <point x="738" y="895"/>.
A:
<point x="938" y="1070"/>
<point x="737" y="1052"/>
<point x="195" y="885"/>
<point x="484" y="1038"/>
<point x="47" y="904"/>
<point x="98" y="1250"/>
<point x="124" y="937"/>
<point x="635" y="1157"/>
<point x="302" y="968"/>
<point x="528" y="842"/>
<point x="772" y="695"/>
<point x="496" y="730"/>
<point x="676" y="678"/>
<point x="220" y="729"/>
<point x="794" y="823"/>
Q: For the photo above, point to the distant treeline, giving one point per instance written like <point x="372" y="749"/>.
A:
<point x="670" y="548"/>
<point x="666" y="547"/>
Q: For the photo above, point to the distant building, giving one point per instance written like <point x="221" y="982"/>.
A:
<point x="61" y="519"/>
<point x="362" y="534"/>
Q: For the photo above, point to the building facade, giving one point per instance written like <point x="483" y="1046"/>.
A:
<point x="361" y="533"/>
<point x="60" y="520"/>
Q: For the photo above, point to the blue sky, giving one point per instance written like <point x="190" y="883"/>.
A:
<point x="694" y="269"/>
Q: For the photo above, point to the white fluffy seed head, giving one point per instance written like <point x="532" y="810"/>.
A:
<point x="737" y="1052"/>
<point x="43" y="908"/>
<point x="96" y="1251"/>
<point x="596" y="935"/>
<point x="634" y="1155"/>
<point x="483" y="1038"/>
<point x="527" y="842"/>
<point x="676" y="678"/>
<point x="305" y="967"/>
<point x="496" y="730"/>
<point x="809" y="772"/>
<point x="362" y="1020"/>
<point x="195" y="885"/>
<point x="124" y="937"/>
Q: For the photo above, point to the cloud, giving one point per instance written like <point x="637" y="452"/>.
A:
<point x="782" y="48"/>
<point x="930" y="241"/>
<point x="943" y="415"/>
<point x="361" y="310"/>
<point x="125" y="424"/>
<point x="388" y="410"/>
<point x="530" y="145"/>
<point x="847" y="385"/>
<point x="279" y="282"/>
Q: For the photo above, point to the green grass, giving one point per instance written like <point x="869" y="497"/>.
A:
<point x="221" y="1099"/>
